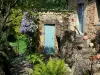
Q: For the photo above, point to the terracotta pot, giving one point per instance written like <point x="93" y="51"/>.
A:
<point x="85" y="37"/>
<point x="98" y="56"/>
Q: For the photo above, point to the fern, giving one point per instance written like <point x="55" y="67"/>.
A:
<point x="40" y="69"/>
<point x="34" y="59"/>
<point x="53" y="67"/>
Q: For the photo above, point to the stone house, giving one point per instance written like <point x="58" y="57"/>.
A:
<point x="54" y="24"/>
<point x="88" y="12"/>
<point x="52" y="28"/>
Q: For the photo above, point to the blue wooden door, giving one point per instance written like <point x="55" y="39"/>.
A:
<point x="81" y="16"/>
<point x="49" y="31"/>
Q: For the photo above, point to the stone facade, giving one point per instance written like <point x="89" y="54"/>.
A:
<point x="91" y="26"/>
<point x="61" y="22"/>
<point x="90" y="16"/>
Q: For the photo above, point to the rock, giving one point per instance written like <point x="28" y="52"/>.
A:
<point x="20" y="66"/>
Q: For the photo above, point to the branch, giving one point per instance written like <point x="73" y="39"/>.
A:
<point x="14" y="3"/>
<point x="3" y="54"/>
<point x="7" y="14"/>
<point x="1" y="5"/>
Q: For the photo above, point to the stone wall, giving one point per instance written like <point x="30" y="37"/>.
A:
<point x="90" y="16"/>
<point x="91" y="19"/>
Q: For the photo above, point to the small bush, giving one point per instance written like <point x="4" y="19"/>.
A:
<point x="52" y="67"/>
<point x="34" y="59"/>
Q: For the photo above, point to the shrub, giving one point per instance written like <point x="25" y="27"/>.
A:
<point x="52" y="67"/>
<point x="34" y="59"/>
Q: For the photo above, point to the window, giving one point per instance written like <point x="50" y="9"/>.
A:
<point x="98" y="8"/>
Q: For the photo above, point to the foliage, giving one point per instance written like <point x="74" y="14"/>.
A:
<point x="53" y="67"/>
<point x="15" y="19"/>
<point x="14" y="23"/>
<point x="41" y="5"/>
<point x="34" y="59"/>
<point x="19" y="46"/>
